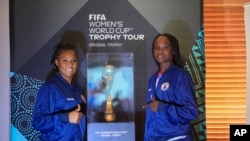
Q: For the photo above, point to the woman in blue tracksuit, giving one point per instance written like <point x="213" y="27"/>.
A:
<point x="58" y="112"/>
<point x="170" y="97"/>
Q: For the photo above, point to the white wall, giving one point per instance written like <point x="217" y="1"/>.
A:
<point x="4" y="71"/>
<point x="247" y="29"/>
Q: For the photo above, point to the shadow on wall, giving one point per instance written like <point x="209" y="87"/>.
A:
<point x="183" y="33"/>
<point x="78" y="40"/>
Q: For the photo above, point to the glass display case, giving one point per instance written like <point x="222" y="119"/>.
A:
<point x="110" y="96"/>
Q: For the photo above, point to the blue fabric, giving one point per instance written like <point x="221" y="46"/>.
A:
<point x="177" y="106"/>
<point x="55" y="99"/>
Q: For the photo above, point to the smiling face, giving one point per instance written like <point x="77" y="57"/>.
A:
<point x="66" y="63"/>
<point x="162" y="50"/>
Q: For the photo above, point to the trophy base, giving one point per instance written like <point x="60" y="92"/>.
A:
<point x="109" y="117"/>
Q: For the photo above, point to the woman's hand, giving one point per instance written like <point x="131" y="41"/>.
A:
<point x="75" y="116"/>
<point x="153" y="104"/>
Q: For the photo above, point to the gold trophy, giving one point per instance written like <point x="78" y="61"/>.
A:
<point x="108" y="76"/>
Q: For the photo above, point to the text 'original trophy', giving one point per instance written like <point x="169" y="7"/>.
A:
<point x="108" y="76"/>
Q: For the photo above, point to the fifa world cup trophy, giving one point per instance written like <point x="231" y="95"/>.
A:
<point x="108" y="76"/>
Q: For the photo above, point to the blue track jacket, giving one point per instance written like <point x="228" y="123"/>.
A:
<point x="177" y="106"/>
<point x="55" y="99"/>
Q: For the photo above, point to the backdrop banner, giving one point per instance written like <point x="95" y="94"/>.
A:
<point x="114" y="43"/>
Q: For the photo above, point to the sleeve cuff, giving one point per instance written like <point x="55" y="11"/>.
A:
<point x="162" y="107"/>
<point x="64" y="117"/>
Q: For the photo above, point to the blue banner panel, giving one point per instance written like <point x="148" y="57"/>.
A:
<point x="117" y="33"/>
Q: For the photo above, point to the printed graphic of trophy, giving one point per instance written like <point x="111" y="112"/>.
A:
<point x="108" y="76"/>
